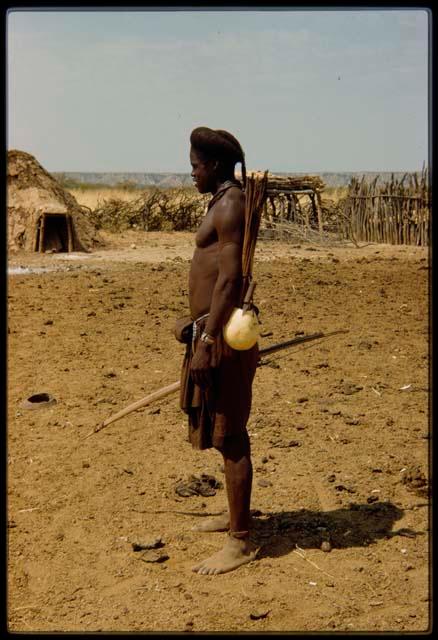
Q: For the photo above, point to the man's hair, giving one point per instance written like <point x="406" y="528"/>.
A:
<point x="217" y="144"/>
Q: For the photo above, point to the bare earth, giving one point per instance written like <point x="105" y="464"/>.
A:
<point x="339" y="431"/>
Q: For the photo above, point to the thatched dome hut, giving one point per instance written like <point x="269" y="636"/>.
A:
<point x="42" y="216"/>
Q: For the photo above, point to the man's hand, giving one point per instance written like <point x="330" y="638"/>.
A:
<point x="201" y="365"/>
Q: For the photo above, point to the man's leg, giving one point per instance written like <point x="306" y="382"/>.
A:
<point x="238" y="477"/>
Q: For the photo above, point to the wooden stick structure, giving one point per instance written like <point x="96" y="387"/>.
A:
<point x="396" y="212"/>
<point x="281" y="199"/>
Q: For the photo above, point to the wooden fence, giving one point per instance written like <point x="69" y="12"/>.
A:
<point x="397" y="212"/>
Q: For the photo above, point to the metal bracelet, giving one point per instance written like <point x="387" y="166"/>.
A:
<point x="205" y="337"/>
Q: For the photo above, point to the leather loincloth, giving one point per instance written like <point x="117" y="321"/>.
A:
<point x="223" y="409"/>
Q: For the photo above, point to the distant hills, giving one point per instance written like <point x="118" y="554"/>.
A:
<point x="168" y="180"/>
<point x="164" y="180"/>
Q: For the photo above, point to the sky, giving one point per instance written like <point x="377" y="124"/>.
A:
<point x="303" y="90"/>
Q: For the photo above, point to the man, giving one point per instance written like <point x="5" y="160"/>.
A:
<point x="217" y="380"/>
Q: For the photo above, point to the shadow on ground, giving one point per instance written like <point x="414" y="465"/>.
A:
<point x="357" y="525"/>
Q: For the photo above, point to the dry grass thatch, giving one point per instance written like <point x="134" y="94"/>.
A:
<point x="32" y="192"/>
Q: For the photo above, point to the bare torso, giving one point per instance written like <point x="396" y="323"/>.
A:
<point x="205" y="265"/>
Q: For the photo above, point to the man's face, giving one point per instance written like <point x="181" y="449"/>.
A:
<point x="203" y="172"/>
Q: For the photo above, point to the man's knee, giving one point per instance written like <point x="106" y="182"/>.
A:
<point x="236" y="446"/>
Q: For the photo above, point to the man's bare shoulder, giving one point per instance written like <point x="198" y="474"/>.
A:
<point x="235" y="196"/>
<point x="229" y="216"/>
<point x="233" y="202"/>
<point x="229" y="212"/>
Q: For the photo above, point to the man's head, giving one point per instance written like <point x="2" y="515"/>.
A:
<point x="213" y="156"/>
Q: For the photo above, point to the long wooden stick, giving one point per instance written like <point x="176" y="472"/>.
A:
<point x="152" y="397"/>
<point x="171" y="388"/>
<point x="298" y="340"/>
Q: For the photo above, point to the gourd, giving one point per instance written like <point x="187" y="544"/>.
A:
<point x="241" y="332"/>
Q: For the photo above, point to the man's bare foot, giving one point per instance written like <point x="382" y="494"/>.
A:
<point x="219" y="523"/>
<point x="234" y="553"/>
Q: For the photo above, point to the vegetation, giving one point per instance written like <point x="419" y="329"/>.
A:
<point x="127" y="206"/>
<point x="118" y="209"/>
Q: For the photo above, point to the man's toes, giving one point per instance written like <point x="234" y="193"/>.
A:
<point x="204" y="570"/>
<point x="200" y="568"/>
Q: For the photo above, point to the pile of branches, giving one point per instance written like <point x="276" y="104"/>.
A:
<point x="296" y="233"/>
<point x="154" y="210"/>
<point x="292" y="183"/>
<point x="333" y="214"/>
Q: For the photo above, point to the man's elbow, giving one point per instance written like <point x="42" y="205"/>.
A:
<point x="228" y="284"/>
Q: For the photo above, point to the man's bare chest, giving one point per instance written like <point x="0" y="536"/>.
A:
<point x="206" y="234"/>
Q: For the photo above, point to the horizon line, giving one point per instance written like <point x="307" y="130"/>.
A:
<point x="248" y="171"/>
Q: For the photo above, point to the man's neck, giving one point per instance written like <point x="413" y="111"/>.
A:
<point x="220" y="190"/>
<point x="224" y="183"/>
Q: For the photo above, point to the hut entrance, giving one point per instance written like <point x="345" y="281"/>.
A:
<point x="54" y="233"/>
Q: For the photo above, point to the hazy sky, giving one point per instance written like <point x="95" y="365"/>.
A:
<point x="315" y="90"/>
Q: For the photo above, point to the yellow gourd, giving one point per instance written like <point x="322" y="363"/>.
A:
<point x="242" y="329"/>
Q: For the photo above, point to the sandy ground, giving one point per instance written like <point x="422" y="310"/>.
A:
<point x="339" y="430"/>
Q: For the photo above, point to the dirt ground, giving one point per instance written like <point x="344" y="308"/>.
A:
<point x="339" y="429"/>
